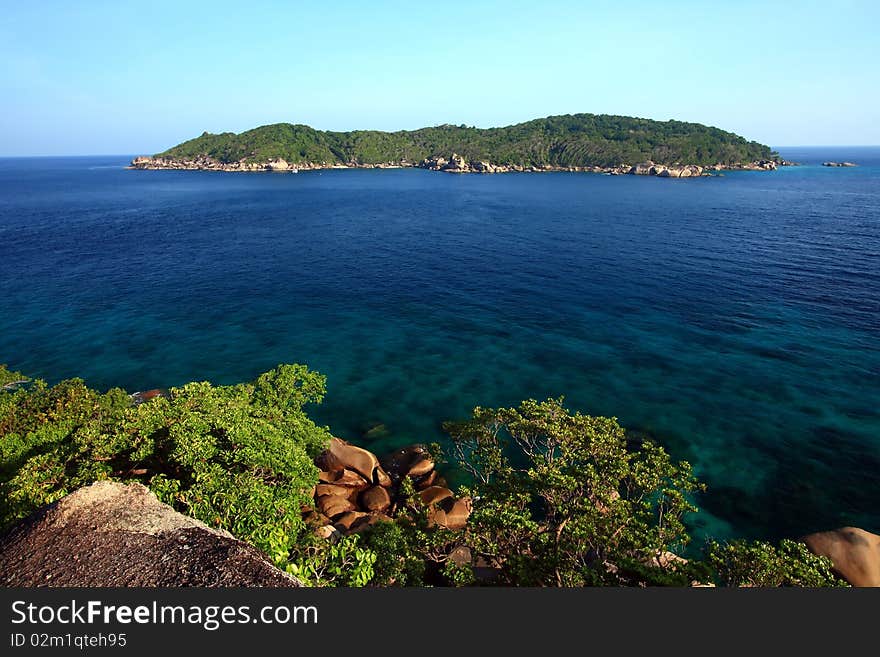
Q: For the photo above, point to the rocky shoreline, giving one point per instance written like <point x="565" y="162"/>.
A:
<point x="455" y="163"/>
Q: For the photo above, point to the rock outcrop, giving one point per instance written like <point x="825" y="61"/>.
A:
<point x="456" y="163"/>
<point x="839" y="164"/>
<point x="112" y="534"/>
<point x="854" y="552"/>
<point x="357" y="490"/>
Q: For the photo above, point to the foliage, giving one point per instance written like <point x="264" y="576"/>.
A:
<point x="344" y="563"/>
<point x="757" y="563"/>
<point x="8" y="378"/>
<point x="568" y="140"/>
<point x="559" y="500"/>
<point x="558" y="497"/>
<point x="236" y="457"/>
<point x="413" y="551"/>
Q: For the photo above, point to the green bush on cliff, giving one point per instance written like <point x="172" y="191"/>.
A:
<point x="236" y="457"/>
<point x="8" y="378"/>
<point x="758" y="563"/>
<point x="559" y="499"/>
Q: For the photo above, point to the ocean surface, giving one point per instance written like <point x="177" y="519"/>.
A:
<point x="736" y="319"/>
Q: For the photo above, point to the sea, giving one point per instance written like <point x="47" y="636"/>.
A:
<point x="733" y="319"/>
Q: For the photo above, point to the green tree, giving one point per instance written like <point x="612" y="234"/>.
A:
<point x="559" y="499"/>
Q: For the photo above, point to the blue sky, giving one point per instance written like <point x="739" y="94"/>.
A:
<point x="137" y="77"/>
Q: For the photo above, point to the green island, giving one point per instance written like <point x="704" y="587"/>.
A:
<point x="553" y="497"/>
<point x="598" y="143"/>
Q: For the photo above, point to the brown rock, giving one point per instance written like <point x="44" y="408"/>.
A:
<point x="354" y="458"/>
<point x="331" y="489"/>
<point x="401" y="462"/>
<point x="451" y="513"/>
<point x="375" y="498"/>
<point x="343" y="478"/>
<point x="381" y="477"/>
<point x="360" y="460"/>
<point x="434" y="494"/>
<point x="854" y="552"/>
<point x="329" y="532"/>
<point x="333" y="506"/>
<point x="111" y="534"/>
<point x="427" y="480"/>
<point x="327" y="462"/>
<point x="350" y="521"/>
<point x="421" y="467"/>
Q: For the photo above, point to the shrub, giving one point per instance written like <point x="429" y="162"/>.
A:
<point x="236" y="457"/>
<point x="758" y="563"/>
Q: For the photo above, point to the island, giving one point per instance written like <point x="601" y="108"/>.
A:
<point x="596" y="143"/>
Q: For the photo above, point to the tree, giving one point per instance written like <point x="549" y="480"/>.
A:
<point x="559" y="499"/>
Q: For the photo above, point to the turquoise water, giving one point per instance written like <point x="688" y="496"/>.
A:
<point x="736" y="319"/>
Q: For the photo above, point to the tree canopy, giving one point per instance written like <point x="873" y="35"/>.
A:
<point x="567" y="140"/>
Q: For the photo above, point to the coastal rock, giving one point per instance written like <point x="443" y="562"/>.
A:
<point x="144" y="396"/>
<point x="277" y="165"/>
<point x="854" y="552"/>
<point x="375" y="498"/>
<point x="839" y="164"/>
<point x="333" y="489"/>
<point x="329" y="533"/>
<point x="456" y="164"/>
<point x="111" y="534"/>
<point x="450" y="513"/>
<point x="642" y="169"/>
<point x="434" y="494"/>
<point x="344" y="477"/>
<point x="360" y="460"/>
<point x="334" y="506"/>
<point x="413" y="460"/>
<point x="351" y="521"/>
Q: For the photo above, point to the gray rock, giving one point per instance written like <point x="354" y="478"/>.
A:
<point x="112" y="534"/>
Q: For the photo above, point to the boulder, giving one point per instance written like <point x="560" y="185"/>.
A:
<point x="456" y="164"/>
<point x="277" y="165"/>
<point x="144" y="396"/>
<point x="375" y="498"/>
<point x="854" y="552"/>
<point x="351" y="521"/>
<point x="641" y="169"/>
<point x="450" y="513"/>
<point x="428" y="480"/>
<point x="421" y="467"/>
<point x="360" y="460"/>
<point x="434" y="494"/>
<point x="333" y="489"/>
<point x="334" y="506"/>
<point x="413" y="460"/>
<point x="112" y="534"/>
<point x="343" y="477"/>
<point x="329" y="532"/>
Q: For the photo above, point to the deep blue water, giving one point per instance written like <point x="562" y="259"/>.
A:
<point x="735" y="318"/>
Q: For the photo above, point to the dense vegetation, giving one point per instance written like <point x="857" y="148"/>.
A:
<point x="559" y="498"/>
<point x="569" y="140"/>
